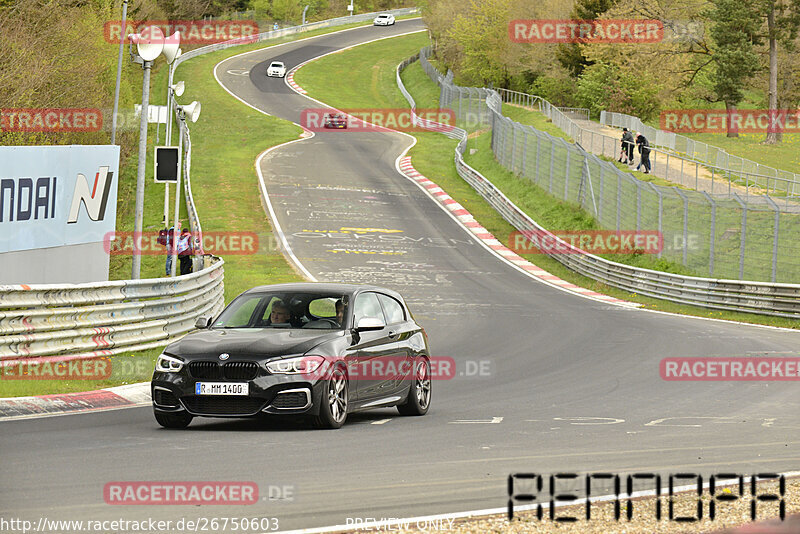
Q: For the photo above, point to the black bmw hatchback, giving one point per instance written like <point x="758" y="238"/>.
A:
<point x="307" y="349"/>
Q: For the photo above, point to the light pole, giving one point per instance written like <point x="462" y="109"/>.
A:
<point x="177" y="90"/>
<point x="150" y="44"/>
<point x="193" y="112"/>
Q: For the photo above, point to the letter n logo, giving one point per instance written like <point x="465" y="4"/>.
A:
<point x="95" y="203"/>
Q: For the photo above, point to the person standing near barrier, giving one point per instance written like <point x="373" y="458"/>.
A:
<point x="185" y="251"/>
<point x="626" y="154"/>
<point x="644" y="152"/>
<point x="165" y="239"/>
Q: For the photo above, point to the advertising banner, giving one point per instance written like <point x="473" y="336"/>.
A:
<point x="51" y="196"/>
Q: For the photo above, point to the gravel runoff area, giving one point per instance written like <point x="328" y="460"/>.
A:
<point x="732" y="516"/>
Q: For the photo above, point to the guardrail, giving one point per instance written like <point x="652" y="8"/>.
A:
<point x="762" y="298"/>
<point x="77" y="321"/>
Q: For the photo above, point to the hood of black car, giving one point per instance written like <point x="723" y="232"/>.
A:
<point x="249" y="343"/>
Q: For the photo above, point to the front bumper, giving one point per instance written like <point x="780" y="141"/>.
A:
<point x="270" y="394"/>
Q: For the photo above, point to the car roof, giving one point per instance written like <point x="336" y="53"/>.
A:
<point x="277" y="63"/>
<point x="323" y="287"/>
<point x="384" y="15"/>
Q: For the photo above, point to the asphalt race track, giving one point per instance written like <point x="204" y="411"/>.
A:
<point x="570" y="384"/>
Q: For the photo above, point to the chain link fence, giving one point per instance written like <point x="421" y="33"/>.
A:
<point x="726" y="237"/>
<point x="764" y="176"/>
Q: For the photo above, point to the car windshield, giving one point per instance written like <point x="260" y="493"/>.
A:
<point x="275" y="64"/>
<point x="290" y="310"/>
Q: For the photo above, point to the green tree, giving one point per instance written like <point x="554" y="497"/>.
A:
<point x="603" y="87"/>
<point x="734" y="34"/>
<point x="571" y="55"/>
<point x="783" y="21"/>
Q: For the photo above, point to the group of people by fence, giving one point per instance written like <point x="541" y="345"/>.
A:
<point x="627" y="146"/>
<point x="186" y="249"/>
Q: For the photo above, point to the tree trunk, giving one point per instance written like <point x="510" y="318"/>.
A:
<point x="730" y="107"/>
<point x="773" y="137"/>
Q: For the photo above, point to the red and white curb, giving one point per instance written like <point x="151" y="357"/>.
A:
<point x="466" y="219"/>
<point x="293" y="84"/>
<point x="128" y="396"/>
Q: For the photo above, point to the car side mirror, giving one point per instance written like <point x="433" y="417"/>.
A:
<point x="366" y="324"/>
<point x="202" y="322"/>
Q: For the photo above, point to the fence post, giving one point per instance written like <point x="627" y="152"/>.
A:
<point x="685" y="224"/>
<point x="524" y="151"/>
<point x="538" y="143"/>
<point x="619" y="196"/>
<point x="552" y="156"/>
<point x="660" y="216"/>
<point x="566" y="175"/>
<point x="775" y="232"/>
<point x="743" y="237"/>
<point x="712" y="235"/>
<point x="513" y="145"/>
<point x="638" y="204"/>
<point x="602" y="182"/>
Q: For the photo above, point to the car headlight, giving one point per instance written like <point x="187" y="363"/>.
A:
<point x="168" y="364"/>
<point x="295" y="366"/>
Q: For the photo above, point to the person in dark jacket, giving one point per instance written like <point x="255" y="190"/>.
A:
<point x="185" y="251"/>
<point x="627" y="147"/>
<point x="644" y="152"/>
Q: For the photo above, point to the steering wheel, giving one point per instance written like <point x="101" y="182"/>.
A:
<point x="333" y="323"/>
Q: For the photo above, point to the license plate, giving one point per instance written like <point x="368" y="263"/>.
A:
<point x="221" y="388"/>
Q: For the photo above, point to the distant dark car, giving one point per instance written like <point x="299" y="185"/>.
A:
<point x="335" y="120"/>
<point x="311" y="349"/>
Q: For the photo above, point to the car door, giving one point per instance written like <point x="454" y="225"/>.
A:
<point x="371" y="352"/>
<point x="399" y="331"/>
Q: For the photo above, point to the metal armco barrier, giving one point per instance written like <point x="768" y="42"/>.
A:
<point x="762" y="298"/>
<point x="101" y="319"/>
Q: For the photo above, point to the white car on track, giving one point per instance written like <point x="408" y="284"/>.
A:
<point x="384" y="19"/>
<point x="276" y="68"/>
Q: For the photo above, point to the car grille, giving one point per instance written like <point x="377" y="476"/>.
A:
<point x="240" y="370"/>
<point x="296" y="399"/>
<point x="207" y="370"/>
<point x="222" y="404"/>
<point x="165" y="398"/>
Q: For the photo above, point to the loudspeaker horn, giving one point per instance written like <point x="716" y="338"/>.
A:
<point x="150" y="43"/>
<point x="192" y="110"/>
<point x="171" y="44"/>
<point x="178" y="88"/>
